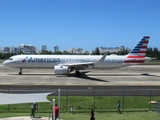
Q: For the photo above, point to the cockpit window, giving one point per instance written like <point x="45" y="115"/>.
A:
<point x="10" y="58"/>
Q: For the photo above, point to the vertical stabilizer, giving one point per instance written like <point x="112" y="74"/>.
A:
<point x="140" y="49"/>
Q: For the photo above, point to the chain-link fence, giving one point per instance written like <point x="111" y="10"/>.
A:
<point x="99" y="100"/>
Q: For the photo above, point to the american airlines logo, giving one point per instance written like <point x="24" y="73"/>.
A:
<point x="43" y="60"/>
<point x="23" y="60"/>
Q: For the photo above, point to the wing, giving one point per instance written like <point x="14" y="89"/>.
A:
<point x="79" y="66"/>
<point x="84" y="65"/>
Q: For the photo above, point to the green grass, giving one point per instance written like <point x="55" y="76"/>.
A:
<point x="153" y="62"/>
<point x="105" y="108"/>
<point x="98" y="116"/>
<point x="1" y="61"/>
<point x="84" y="104"/>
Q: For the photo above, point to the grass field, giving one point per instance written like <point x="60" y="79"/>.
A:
<point x="157" y="62"/>
<point x="1" y="61"/>
<point x="98" y="116"/>
<point x="83" y="104"/>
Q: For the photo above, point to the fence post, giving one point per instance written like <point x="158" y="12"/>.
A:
<point x="53" y="109"/>
<point x="67" y="101"/>
<point x="38" y="104"/>
<point x="150" y="100"/>
<point x="8" y="105"/>
<point x="123" y="100"/>
<point x="94" y="99"/>
<point x="59" y="103"/>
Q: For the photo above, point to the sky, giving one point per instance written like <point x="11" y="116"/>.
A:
<point x="79" y="23"/>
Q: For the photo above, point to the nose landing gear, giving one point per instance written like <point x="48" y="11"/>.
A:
<point x="20" y="72"/>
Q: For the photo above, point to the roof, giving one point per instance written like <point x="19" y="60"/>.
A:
<point x="8" y="98"/>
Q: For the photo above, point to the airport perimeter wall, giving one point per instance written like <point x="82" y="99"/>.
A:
<point x="99" y="100"/>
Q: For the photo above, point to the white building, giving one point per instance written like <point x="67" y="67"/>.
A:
<point x="87" y="52"/>
<point x="44" y="47"/>
<point x="75" y="50"/>
<point x="111" y="49"/>
<point x="12" y="50"/>
<point x="1" y="51"/>
<point x="56" y="48"/>
<point x="27" y="49"/>
<point x="6" y="49"/>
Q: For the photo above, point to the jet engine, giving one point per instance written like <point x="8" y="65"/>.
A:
<point x="59" y="70"/>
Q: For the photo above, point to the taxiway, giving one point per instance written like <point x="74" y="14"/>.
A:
<point x="139" y="75"/>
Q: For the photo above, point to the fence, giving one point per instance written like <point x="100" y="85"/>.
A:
<point x="99" y="100"/>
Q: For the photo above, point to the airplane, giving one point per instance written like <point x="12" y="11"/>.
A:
<point x="65" y="64"/>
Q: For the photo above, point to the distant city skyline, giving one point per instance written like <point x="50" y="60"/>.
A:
<point x="32" y="49"/>
<point x="41" y="47"/>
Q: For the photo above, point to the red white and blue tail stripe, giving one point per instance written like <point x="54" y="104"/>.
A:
<point x="140" y="50"/>
<point x="137" y="55"/>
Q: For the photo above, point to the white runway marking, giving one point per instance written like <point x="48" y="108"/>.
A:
<point x="144" y="66"/>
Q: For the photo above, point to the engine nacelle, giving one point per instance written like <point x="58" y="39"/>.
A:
<point x="60" y="70"/>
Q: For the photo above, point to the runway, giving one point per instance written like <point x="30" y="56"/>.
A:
<point x="122" y="79"/>
<point x="141" y="75"/>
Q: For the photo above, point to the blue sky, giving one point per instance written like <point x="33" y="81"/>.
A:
<point x="79" y="23"/>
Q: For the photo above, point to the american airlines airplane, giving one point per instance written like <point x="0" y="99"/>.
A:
<point x="64" y="64"/>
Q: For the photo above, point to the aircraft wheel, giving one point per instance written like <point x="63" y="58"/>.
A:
<point x="78" y="73"/>
<point x="20" y="73"/>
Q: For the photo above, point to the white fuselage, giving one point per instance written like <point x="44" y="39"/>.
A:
<point x="49" y="61"/>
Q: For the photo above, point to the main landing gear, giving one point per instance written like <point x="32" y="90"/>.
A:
<point x="20" y="72"/>
<point x="78" y="73"/>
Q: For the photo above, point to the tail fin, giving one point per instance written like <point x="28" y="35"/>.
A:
<point x="140" y="49"/>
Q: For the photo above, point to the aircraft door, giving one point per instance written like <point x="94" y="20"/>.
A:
<point x="21" y="62"/>
<point x="18" y="61"/>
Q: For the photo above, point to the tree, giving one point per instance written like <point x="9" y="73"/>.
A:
<point x="6" y="55"/>
<point x="20" y="52"/>
<point x="65" y="53"/>
<point x="58" y="53"/>
<point x="96" y="52"/>
<point x="46" y="52"/>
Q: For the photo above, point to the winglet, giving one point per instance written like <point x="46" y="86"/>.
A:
<point x="103" y="57"/>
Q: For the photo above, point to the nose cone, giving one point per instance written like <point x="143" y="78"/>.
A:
<point x="6" y="63"/>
